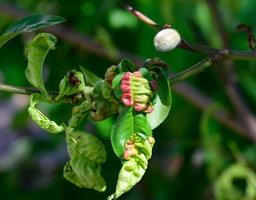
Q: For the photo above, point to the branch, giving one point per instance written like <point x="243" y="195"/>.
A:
<point x="189" y="93"/>
<point x="227" y="53"/>
<point x="191" y="71"/>
<point x="17" y="90"/>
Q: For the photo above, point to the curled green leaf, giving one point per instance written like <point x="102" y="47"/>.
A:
<point x="228" y="186"/>
<point x="29" y="24"/>
<point x="71" y="84"/>
<point x="134" y="168"/>
<point x="128" y="123"/>
<point x="162" y="103"/>
<point x="79" y="112"/>
<point x="87" y="145"/>
<point x="90" y="78"/>
<point x="36" y="52"/>
<point x="126" y="65"/>
<point x="87" y="153"/>
<point x="38" y="117"/>
<point x="103" y="102"/>
<point x="122" y="130"/>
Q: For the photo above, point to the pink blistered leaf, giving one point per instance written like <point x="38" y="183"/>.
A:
<point x="137" y="74"/>
<point x="127" y="76"/>
<point x="127" y="99"/>
<point x="149" y="109"/>
<point x="126" y="88"/>
<point x="140" y="106"/>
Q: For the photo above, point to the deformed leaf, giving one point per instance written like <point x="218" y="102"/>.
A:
<point x="162" y="104"/>
<point x="134" y="168"/>
<point x="29" y="24"/>
<point x="79" y="113"/>
<point x="130" y="174"/>
<point x="71" y="84"/>
<point x="38" y="117"/>
<point x="141" y="124"/>
<point x="122" y="130"/>
<point x="146" y="73"/>
<point x="70" y="175"/>
<point x="126" y="65"/>
<point x="128" y="123"/>
<point x="90" y="78"/>
<point x="36" y="52"/>
<point x="116" y="85"/>
<point x="87" y="145"/>
<point x="86" y="155"/>
<point x="84" y="173"/>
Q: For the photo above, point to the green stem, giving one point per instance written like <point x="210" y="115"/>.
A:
<point x="195" y="69"/>
<point x="28" y="91"/>
<point x="17" y="90"/>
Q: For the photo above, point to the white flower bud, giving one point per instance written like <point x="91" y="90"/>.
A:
<point x="166" y="39"/>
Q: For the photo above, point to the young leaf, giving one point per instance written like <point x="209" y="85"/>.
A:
<point x="40" y="118"/>
<point x="71" y="84"/>
<point x="29" y="24"/>
<point x="146" y="73"/>
<point x="90" y="78"/>
<point x="141" y="124"/>
<point x="134" y="168"/>
<point x="122" y="130"/>
<point x="87" y="145"/>
<point x="130" y="174"/>
<point x="84" y="174"/>
<point x="128" y="123"/>
<point x="126" y="65"/>
<point x="86" y="154"/>
<point x="36" y="52"/>
<point x="116" y="85"/>
<point x="79" y="112"/>
<point x="163" y="103"/>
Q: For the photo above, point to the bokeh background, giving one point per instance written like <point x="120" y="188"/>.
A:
<point x="192" y="149"/>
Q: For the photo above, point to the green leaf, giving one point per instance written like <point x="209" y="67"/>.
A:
<point x="141" y="124"/>
<point x="36" y="52"/>
<point x="130" y="174"/>
<point x="134" y="168"/>
<point x="162" y="104"/>
<point x="87" y="153"/>
<point x="146" y="73"/>
<point x="29" y="24"/>
<point x="116" y="85"/>
<point x="84" y="174"/>
<point x="122" y="130"/>
<point x="90" y="78"/>
<point x="87" y="145"/>
<point x="79" y="113"/>
<point x="128" y="123"/>
<point x="126" y="65"/>
<point x="67" y="88"/>
<point x="38" y="117"/>
<point x="227" y="185"/>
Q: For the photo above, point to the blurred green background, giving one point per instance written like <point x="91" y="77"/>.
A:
<point x="192" y="151"/>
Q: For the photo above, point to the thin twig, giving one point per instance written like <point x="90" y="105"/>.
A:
<point x="228" y="53"/>
<point x="195" y="69"/>
<point x="17" y="90"/>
